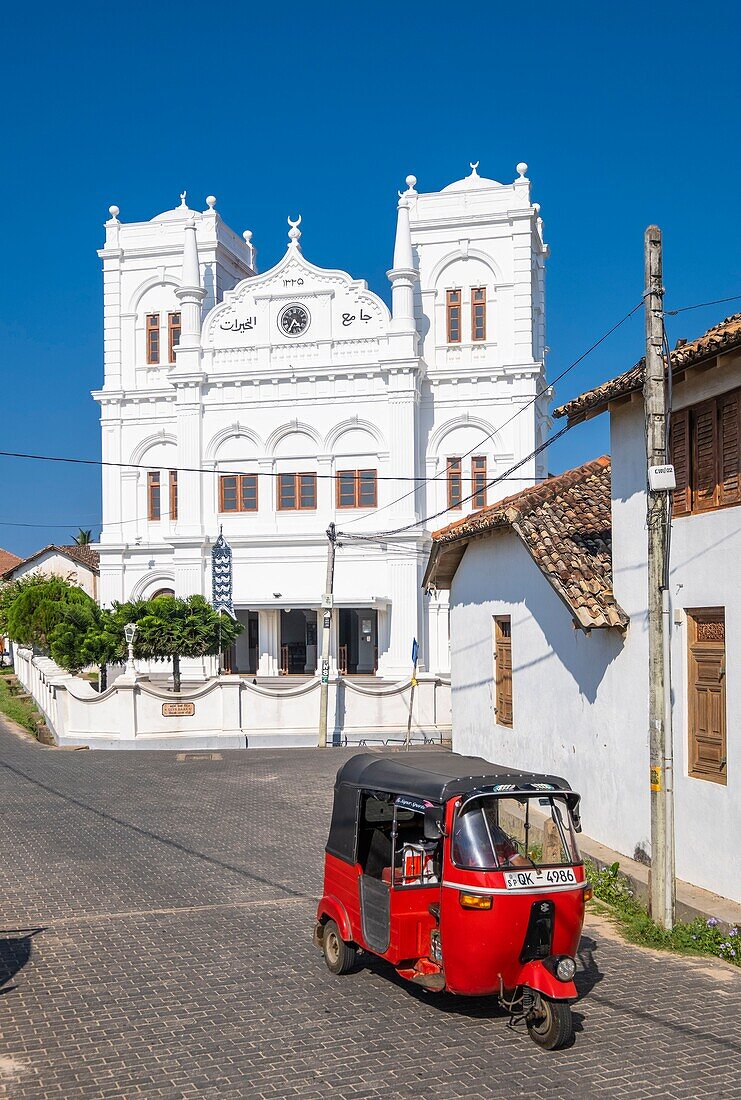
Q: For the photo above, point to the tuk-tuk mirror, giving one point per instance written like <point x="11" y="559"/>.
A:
<point x="433" y="822"/>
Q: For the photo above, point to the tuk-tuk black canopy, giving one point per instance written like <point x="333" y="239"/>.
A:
<point x="431" y="776"/>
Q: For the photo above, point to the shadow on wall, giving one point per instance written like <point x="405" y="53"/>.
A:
<point x="517" y="587"/>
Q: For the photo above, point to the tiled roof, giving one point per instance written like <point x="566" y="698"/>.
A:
<point x="565" y="524"/>
<point x="720" y="338"/>
<point x="83" y="555"/>
<point x="8" y="560"/>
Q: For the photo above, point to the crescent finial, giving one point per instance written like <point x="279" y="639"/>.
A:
<point x="294" y="232"/>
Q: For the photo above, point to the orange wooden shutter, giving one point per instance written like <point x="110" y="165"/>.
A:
<point x="680" y="453"/>
<point x="729" y="448"/>
<point x="705" y="457"/>
<point x="503" y="671"/>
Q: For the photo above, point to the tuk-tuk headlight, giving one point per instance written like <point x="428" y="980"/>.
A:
<point x="476" y="901"/>
<point x="565" y="969"/>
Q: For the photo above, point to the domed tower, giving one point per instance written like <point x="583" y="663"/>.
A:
<point x="159" y="278"/>
<point x="480" y="259"/>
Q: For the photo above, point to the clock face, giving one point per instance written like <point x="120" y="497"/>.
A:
<point x="293" y="320"/>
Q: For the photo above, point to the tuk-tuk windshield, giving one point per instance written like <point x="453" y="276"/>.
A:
<point x="514" y="831"/>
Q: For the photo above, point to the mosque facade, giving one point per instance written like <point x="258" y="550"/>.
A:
<point x="269" y="405"/>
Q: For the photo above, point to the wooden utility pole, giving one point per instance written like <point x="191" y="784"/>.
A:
<point x="327" y="600"/>
<point x="659" y="703"/>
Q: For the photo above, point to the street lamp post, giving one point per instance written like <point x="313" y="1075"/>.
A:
<point x="130" y="633"/>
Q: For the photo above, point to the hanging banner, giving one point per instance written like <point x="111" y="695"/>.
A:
<point x="221" y="576"/>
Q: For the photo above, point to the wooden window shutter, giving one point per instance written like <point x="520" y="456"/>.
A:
<point x="729" y="449"/>
<point x="680" y="455"/>
<point x="503" y="670"/>
<point x="705" y="457"/>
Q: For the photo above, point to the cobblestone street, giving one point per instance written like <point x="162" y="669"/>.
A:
<point x="156" y="941"/>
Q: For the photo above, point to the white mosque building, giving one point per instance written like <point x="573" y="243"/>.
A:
<point x="269" y="405"/>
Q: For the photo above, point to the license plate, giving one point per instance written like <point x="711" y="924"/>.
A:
<point x="539" y="879"/>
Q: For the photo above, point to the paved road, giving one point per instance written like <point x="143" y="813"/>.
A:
<point x="156" y="925"/>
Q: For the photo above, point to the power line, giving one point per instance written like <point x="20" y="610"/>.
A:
<point x="495" y="481"/>
<point x="701" y="305"/>
<point x="517" y="413"/>
<point x="419" y="482"/>
<point x="186" y="469"/>
<point x="198" y="469"/>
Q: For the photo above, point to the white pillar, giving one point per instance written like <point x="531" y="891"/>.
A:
<point x="189" y="421"/>
<point x="402" y="575"/>
<point x="268" y="642"/>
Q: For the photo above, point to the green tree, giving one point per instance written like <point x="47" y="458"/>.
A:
<point x="83" y="537"/>
<point x="9" y="592"/>
<point x="172" y="628"/>
<point x="86" y="635"/>
<point x="39" y="608"/>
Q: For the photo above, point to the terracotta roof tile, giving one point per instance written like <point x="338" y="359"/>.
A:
<point x="720" y="338"/>
<point x="8" y="560"/>
<point x="566" y="525"/>
<point x="83" y="555"/>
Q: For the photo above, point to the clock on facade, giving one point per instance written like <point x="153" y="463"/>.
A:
<point x="293" y="320"/>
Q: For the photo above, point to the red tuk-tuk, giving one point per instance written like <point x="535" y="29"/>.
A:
<point x="464" y="875"/>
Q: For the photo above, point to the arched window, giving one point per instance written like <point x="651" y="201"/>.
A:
<point x="162" y="592"/>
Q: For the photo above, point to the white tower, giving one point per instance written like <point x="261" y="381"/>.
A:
<point x="479" y="252"/>
<point x="159" y="277"/>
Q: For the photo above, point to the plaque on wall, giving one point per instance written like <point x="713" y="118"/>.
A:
<point x="178" y="710"/>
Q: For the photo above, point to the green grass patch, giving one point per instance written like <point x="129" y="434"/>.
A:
<point x="698" y="937"/>
<point x="21" y="711"/>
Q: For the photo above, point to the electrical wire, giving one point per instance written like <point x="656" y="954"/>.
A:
<point x="517" y="413"/>
<point x="436" y="515"/>
<point x="199" y="469"/>
<point x="419" y="482"/>
<point x="701" y="305"/>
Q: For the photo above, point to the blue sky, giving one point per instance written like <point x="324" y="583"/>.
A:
<point x="323" y="109"/>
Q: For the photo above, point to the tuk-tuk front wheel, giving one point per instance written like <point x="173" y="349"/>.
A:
<point x="550" y="1025"/>
<point x="338" y="955"/>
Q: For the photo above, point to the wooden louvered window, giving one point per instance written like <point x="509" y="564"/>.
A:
<point x="154" y="496"/>
<point x="455" y="483"/>
<point x="680" y="456"/>
<point x="478" y="313"/>
<point x="453" y="315"/>
<point x="729" y="480"/>
<point x="503" y="670"/>
<point x="173" y="494"/>
<point x="704" y="457"/>
<point x="706" y="644"/>
<point x="173" y="334"/>
<point x="153" y="338"/>
<point x="478" y="480"/>
<point x="706" y="454"/>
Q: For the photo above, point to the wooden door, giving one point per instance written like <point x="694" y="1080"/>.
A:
<point x="707" y="694"/>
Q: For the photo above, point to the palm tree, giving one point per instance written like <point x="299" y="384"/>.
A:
<point x="83" y="538"/>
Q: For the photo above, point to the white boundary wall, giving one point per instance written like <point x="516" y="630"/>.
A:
<point x="229" y="712"/>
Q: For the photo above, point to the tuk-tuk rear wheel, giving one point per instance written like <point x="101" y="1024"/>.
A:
<point x="338" y="955"/>
<point x="551" y="1024"/>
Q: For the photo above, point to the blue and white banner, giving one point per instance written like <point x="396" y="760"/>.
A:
<point x="221" y="576"/>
